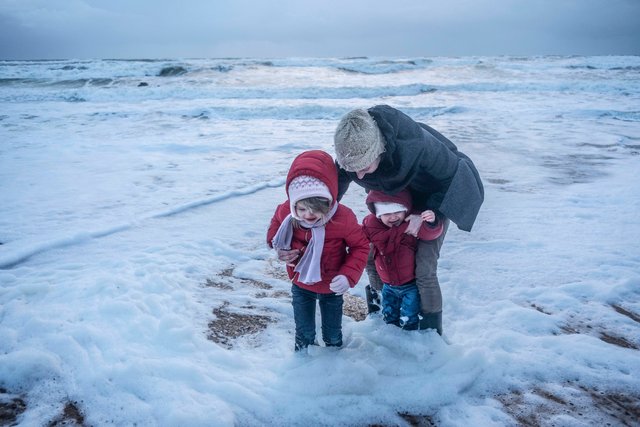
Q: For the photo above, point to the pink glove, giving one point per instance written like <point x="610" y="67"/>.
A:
<point x="339" y="284"/>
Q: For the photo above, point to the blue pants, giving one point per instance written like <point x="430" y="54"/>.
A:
<point x="401" y="305"/>
<point x="304" y="313"/>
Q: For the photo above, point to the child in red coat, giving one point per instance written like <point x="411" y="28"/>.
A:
<point x="394" y="252"/>
<point x="322" y="243"/>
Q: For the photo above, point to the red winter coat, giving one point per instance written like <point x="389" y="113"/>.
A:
<point x="394" y="250"/>
<point x="342" y="232"/>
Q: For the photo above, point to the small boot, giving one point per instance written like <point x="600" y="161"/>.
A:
<point x="373" y="299"/>
<point x="432" y="321"/>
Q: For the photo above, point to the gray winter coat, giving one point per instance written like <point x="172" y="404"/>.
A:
<point x="421" y="159"/>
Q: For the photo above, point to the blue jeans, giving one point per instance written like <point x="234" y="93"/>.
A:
<point x="401" y="305"/>
<point x="304" y="314"/>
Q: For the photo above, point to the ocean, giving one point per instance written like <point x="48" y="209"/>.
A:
<point x="135" y="197"/>
<point x="569" y="115"/>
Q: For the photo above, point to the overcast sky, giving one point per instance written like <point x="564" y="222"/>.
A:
<point x="47" y="29"/>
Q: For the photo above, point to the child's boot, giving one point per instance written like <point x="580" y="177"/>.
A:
<point x="373" y="299"/>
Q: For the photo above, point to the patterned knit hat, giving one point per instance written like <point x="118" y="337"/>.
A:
<point x="358" y="141"/>
<point x="303" y="187"/>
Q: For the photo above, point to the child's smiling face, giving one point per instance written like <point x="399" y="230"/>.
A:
<point x="307" y="214"/>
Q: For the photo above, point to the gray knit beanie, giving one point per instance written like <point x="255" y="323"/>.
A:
<point x="358" y="141"/>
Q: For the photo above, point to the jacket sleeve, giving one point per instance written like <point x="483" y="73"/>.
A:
<point x="462" y="191"/>
<point x="431" y="231"/>
<point x="276" y="220"/>
<point x="358" y="246"/>
<point x="372" y="230"/>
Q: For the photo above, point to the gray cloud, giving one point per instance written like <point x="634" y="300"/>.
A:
<point x="31" y="29"/>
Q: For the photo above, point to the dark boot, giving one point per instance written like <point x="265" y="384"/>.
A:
<point x="373" y="299"/>
<point x="374" y="278"/>
<point x="432" y="321"/>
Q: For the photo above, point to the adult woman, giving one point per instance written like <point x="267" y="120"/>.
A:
<point x="383" y="149"/>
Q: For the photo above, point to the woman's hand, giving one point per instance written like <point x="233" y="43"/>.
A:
<point x="288" y="256"/>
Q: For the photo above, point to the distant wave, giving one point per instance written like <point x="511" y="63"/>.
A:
<point x="608" y="68"/>
<point x="323" y="92"/>
<point x="581" y="67"/>
<point x="182" y="87"/>
<point x="129" y="90"/>
<point x="385" y="67"/>
<point x="242" y="79"/>
<point x="362" y="65"/>
<point x="625" y="116"/>
<point x="304" y="112"/>
<point x="72" y="83"/>
<point x="627" y="68"/>
<point x="120" y="90"/>
<point x="148" y="67"/>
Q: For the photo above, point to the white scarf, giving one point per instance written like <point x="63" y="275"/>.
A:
<point x="308" y="268"/>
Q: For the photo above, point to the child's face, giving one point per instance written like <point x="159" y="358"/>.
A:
<point x="393" y="219"/>
<point x="307" y="214"/>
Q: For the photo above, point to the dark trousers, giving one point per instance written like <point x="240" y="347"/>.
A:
<point x="304" y="313"/>
<point x="427" y="273"/>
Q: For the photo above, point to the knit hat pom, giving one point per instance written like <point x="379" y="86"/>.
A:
<point x="304" y="186"/>
<point x="358" y="141"/>
<point x="388" y="207"/>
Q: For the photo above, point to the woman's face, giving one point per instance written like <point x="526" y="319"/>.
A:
<point x="369" y="169"/>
